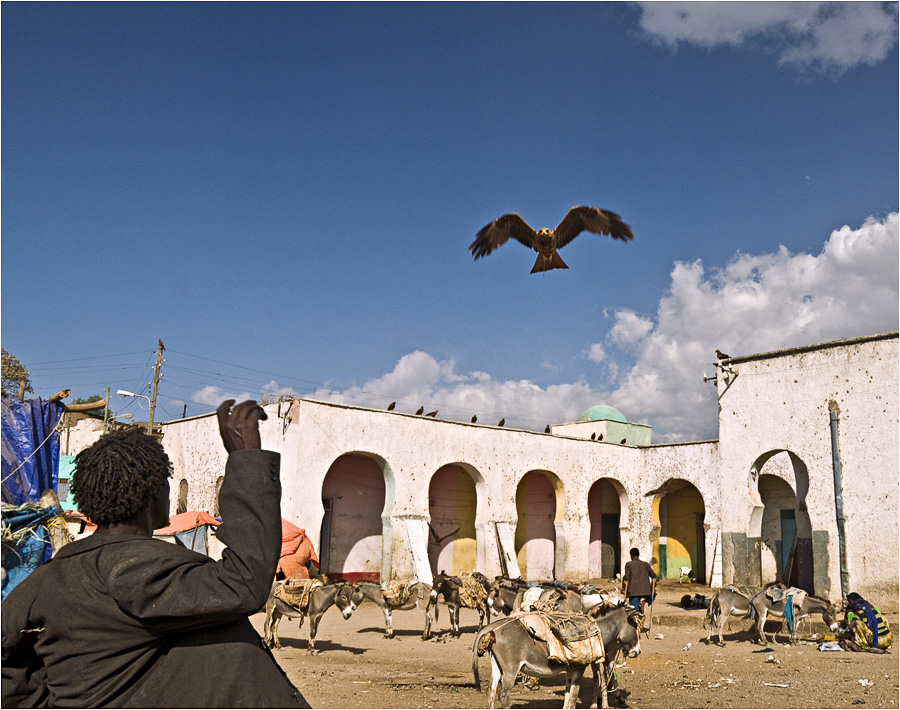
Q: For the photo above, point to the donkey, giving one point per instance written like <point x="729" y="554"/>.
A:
<point x="504" y="590"/>
<point x="419" y="598"/>
<point x="765" y="607"/>
<point x="729" y="601"/>
<point x="512" y="649"/>
<point x="448" y="587"/>
<point x="345" y="597"/>
<point x="560" y="599"/>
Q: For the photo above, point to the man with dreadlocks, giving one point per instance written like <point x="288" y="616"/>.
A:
<point x="119" y="619"/>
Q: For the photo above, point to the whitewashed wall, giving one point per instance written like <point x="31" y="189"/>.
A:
<point x="770" y="403"/>
<point x="780" y="401"/>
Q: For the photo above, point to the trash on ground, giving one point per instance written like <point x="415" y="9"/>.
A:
<point x="865" y="682"/>
<point x="776" y="685"/>
<point x="687" y="647"/>
<point x="660" y="637"/>
<point x="772" y="659"/>
<point x="830" y="646"/>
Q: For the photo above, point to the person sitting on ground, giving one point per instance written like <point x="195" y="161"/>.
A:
<point x="637" y="584"/>
<point x="864" y="628"/>
<point x="120" y="619"/>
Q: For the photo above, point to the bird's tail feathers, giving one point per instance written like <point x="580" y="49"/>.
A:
<point x="554" y="262"/>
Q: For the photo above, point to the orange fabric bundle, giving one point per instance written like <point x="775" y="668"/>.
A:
<point x="296" y="551"/>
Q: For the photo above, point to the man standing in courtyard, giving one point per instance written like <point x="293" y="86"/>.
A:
<point x="120" y="619"/>
<point x="638" y="581"/>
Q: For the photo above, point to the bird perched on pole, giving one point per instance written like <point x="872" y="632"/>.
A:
<point x="546" y="241"/>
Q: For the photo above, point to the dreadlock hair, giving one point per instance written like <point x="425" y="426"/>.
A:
<point x="118" y="476"/>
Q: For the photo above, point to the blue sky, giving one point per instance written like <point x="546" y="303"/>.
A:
<point x="284" y="194"/>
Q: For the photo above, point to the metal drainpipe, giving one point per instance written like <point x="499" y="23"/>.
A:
<point x="839" y="501"/>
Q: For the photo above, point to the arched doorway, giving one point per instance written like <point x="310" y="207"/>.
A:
<point x="779" y="527"/>
<point x="452" y="505"/>
<point x="353" y="496"/>
<point x="679" y="515"/>
<point x="605" y="547"/>
<point x="182" y="505"/>
<point x="540" y="503"/>
<point x="769" y="496"/>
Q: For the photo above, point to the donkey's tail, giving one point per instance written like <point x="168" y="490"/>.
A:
<point x="484" y="639"/>
<point x="433" y="602"/>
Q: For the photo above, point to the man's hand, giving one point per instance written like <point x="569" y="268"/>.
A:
<point x="239" y="427"/>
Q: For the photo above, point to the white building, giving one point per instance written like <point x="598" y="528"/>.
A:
<point x="391" y="495"/>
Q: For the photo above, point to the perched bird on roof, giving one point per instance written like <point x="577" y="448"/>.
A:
<point x="546" y="241"/>
<point x="391" y="406"/>
<point x="420" y="410"/>
<point x="594" y="436"/>
<point x="600" y="438"/>
<point x="622" y="442"/>
<point x="547" y="429"/>
<point x="432" y="414"/>
<point x="721" y="355"/>
<point x="474" y="418"/>
<point x="501" y="422"/>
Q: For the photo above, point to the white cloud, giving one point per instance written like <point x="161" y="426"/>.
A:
<point x="419" y="379"/>
<point x="213" y="396"/>
<point x="756" y="304"/>
<point x="629" y="329"/>
<point x="596" y="353"/>
<point x="829" y="36"/>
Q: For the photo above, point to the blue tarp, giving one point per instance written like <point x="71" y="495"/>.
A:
<point x="25" y="542"/>
<point x="30" y="448"/>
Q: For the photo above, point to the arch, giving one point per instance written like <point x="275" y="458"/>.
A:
<point x="357" y="497"/>
<point x="540" y="507"/>
<point x="454" y="510"/>
<point x="778" y="526"/>
<point x="679" y="530"/>
<point x="783" y="465"/>
<point x="607" y="503"/>
<point x="215" y="507"/>
<point x="182" y="505"/>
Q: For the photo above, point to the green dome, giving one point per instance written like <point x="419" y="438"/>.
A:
<point x="602" y="411"/>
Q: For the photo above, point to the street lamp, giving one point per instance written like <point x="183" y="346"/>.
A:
<point x="113" y="418"/>
<point x="125" y="393"/>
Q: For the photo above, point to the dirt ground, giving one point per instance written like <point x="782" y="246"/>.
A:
<point x="356" y="667"/>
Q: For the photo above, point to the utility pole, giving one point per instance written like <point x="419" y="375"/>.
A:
<point x="106" y="412"/>
<point x="159" y="362"/>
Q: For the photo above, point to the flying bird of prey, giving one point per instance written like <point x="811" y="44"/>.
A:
<point x="546" y="241"/>
<point x="420" y="410"/>
<point x="721" y="355"/>
<point x="432" y="414"/>
<point x="391" y="406"/>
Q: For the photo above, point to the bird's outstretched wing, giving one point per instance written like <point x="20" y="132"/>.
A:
<point x="591" y="219"/>
<point x="499" y="231"/>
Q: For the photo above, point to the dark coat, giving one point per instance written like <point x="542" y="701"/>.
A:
<point x="638" y="575"/>
<point x="130" y="621"/>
